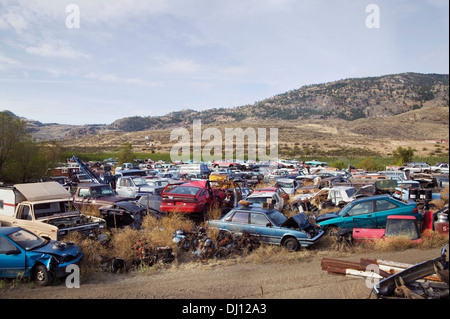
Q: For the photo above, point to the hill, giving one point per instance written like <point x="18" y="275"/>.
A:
<point x="376" y="113"/>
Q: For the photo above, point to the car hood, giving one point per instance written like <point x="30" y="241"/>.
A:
<point x="326" y="216"/>
<point x="59" y="248"/>
<point x="110" y="199"/>
<point x="297" y="221"/>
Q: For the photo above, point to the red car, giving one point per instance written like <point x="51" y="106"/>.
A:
<point x="397" y="225"/>
<point x="192" y="198"/>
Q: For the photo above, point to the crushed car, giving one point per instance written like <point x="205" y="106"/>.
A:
<point x="270" y="225"/>
<point x="417" y="281"/>
<point x="23" y="254"/>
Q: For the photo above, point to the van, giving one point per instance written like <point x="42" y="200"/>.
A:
<point x="395" y="175"/>
<point x="201" y="168"/>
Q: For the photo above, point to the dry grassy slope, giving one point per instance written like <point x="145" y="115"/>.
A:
<point x="379" y="134"/>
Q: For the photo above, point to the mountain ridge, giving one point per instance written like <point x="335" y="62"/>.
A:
<point x="352" y="99"/>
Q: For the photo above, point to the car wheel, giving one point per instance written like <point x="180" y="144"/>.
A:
<point x="41" y="275"/>
<point x="291" y="244"/>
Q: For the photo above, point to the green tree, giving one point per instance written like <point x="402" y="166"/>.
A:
<point x="403" y="155"/>
<point x="12" y="131"/>
<point x="368" y="164"/>
<point x="126" y="154"/>
<point x="27" y="163"/>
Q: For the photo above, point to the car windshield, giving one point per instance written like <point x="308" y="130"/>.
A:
<point x="27" y="240"/>
<point x="257" y="200"/>
<point x="139" y="181"/>
<point x="102" y="191"/>
<point x="187" y="190"/>
<point x="276" y="217"/>
<point x="350" y="192"/>
<point x="285" y="185"/>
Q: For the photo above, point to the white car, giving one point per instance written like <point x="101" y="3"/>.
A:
<point x="259" y="198"/>
<point x="440" y="168"/>
<point x="290" y="186"/>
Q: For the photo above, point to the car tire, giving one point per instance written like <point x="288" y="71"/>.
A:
<point x="291" y="244"/>
<point x="41" y="275"/>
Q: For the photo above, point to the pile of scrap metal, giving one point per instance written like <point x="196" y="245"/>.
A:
<point x="426" y="280"/>
<point x="225" y="245"/>
<point x="144" y="254"/>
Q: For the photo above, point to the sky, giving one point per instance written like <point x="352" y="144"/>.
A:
<point x="93" y="62"/>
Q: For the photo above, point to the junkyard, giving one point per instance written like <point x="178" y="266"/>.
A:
<point x="286" y="229"/>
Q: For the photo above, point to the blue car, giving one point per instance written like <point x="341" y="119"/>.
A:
<point x="270" y="226"/>
<point x="23" y="254"/>
<point x="367" y="212"/>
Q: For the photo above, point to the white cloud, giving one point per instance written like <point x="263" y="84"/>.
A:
<point x="180" y="66"/>
<point x="111" y="78"/>
<point x="56" y="51"/>
<point x="6" y="60"/>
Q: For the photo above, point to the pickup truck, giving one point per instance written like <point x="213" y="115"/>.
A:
<point x="96" y="195"/>
<point x="136" y="187"/>
<point x="194" y="198"/>
<point x="46" y="209"/>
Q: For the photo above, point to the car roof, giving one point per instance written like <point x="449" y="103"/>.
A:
<point x="266" y="190"/>
<point x="257" y="209"/>
<point x="286" y="180"/>
<point x="4" y="230"/>
<point x="261" y="194"/>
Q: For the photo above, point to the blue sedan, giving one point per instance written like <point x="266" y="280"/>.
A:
<point x="23" y="254"/>
<point x="270" y="226"/>
<point x="367" y="212"/>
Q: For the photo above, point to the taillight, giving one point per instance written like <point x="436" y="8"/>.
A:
<point x="415" y="210"/>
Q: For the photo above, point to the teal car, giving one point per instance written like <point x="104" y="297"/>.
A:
<point x="367" y="212"/>
<point x="270" y="226"/>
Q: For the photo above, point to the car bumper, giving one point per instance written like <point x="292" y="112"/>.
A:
<point x="306" y="242"/>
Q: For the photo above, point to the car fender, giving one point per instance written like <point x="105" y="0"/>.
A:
<point x="36" y="259"/>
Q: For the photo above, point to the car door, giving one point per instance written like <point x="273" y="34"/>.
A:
<point x="238" y="222"/>
<point x="361" y="215"/>
<point x="384" y="208"/>
<point x="12" y="259"/>
<point x="261" y="227"/>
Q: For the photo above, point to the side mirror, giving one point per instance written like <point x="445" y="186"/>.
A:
<point x="269" y="225"/>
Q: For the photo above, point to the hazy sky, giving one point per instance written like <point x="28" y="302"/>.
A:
<point x="92" y="62"/>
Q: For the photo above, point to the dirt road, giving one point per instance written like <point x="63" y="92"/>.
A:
<point x="297" y="279"/>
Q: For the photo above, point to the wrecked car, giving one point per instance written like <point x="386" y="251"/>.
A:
<point x="270" y="226"/>
<point x="418" y="281"/>
<point x="123" y="214"/>
<point x="23" y="254"/>
<point x="396" y="226"/>
<point x="367" y="212"/>
<point x="96" y="195"/>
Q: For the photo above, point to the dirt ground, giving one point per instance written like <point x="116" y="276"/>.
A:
<point x="300" y="278"/>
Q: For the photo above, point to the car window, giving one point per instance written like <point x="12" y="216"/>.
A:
<point x="6" y="245"/>
<point x="240" y="217"/>
<point x="84" y="192"/>
<point x="258" y="219"/>
<point x="361" y="208"/>
<point x="383" y="204"/>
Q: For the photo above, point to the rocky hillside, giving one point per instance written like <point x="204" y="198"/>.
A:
<point x="349" y="99"/>
<point x="356" y="99"/>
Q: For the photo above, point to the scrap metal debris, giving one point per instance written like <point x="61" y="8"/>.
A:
<point x="225" y="244"/>
<point x="426" y="280"/>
